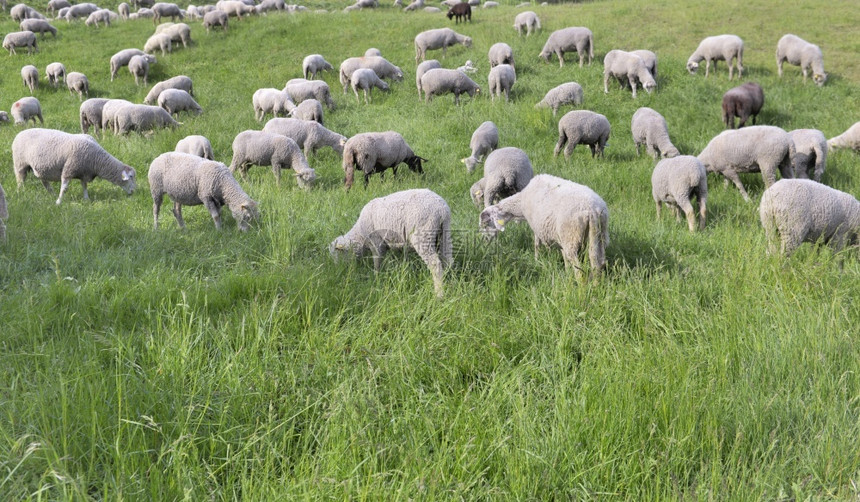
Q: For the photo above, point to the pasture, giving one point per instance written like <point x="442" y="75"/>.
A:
<point x="164" y="365"/>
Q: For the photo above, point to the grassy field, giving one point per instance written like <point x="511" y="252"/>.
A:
<point x="202" y="365"/>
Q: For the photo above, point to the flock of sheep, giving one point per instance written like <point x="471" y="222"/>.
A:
<point x="558" y="211"/>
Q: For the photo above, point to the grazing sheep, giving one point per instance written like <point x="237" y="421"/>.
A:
<point x="59" y="156"/>
<point x="627" y="68"/>
<point x="484" y="140"/>
<point x="440" y="38"/>
<point x="649" y="128"/>
<point x="190" y="181"/>
<point x="91" y="114"/>
<point x="528" y="20"/>
<point x="462" y="11"/>
<point x="300" y="89"/>
<point x="797" y="211"/>
<point x="122" y="58"/>
<point x="314" y="64"/>
<point x="417" y="218"/>
<point x="798" y="51"/>
<point x="4" y="213"/>
<point x="559" y="212"/>
<point x="26" y="109"/>
<point x="366" y="79"/>
<point x="501" y="79"/>
<point x="235" y="8"/>
<point x="22" y="11"/>
<point x="577" y="39"/>
<point x="262" y="148"/>
<point x="164" y="9"/>
<point x="569" y="93"/>
<point x="195" y="145"/>
<point x="178" y="32"/>
<point x="506" y="172"/>
<point x="582" y="127"/>
<point x="810" y="158"/>
<point x="40" y="26"/>
<point x="374" y="152"/>
<point x="177" y="82"/>
<point x="441" y="81"/>
<point x="270" y="100"/>
<point x="718" y="48"/>
<point x="468" y="67"/>
<point x="123" y="9"/>
<point x="109" y="113"/>
<point x="675" y="182"/>
<point x="650" y="60"/>
<point x="848" y="139"/>
<point x="139" y="67"/>
<point x="54" y="72"/>
<point x="432" y="10"/>
<point x="269" y="5"/>
<point x="30" y="76"/>
<point x="55" y="5"/>
<point x="78" y="82"/>
<point x="100" y="16"/>
<point x="81" y="10"/>
<point x="141" y="118"/>
<point x="414" y="5"/>
<point x="380" y="66"/>
<point x="20" y="39"/>
<point x="742" y="101"/>
<point x="500" y="53"/>
<point x="177" y="100"/>
<point x="751" y="149"/>
<point x="215" y="18"/>
<point x="309" y="109"/>
<point x="423" y="68"/>
<point x="308" y="134"/>
<point x="158" y="41"/>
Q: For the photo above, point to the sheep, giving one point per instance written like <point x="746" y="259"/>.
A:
<point x="440" y="81"/>
<point x="373" y="51"/>
<point x="178" y="32"/>
<point x="4" y="214"/>
<point x="810" y="158"/>
<point x="440" y="38"/>
<point x="501" y="79"/>
<point x="461" y="11"/>
<point x="575" y="38"/>
<point x="26" y="109"/>
<point x="423" y="68"/>
<point x="177" y="82"/>
<point x="109" y="112"/>
<point x="309" y="109"/>
<point x="307" y="134"/>
<point x="796" y="211"/>
<point x="450" y="3"/>
<point x="569" y="93"/>
<point x="528" y="20"/>
<point x="164" y="9"/>
<point x="366" y="79"/>
<point x="215" y="18"/>
<point x="30" y="76"/>
<point x="649" y="128"/>
<point x="269" y="149"/>
<point x="582" y="127"/>
<point x="484" y="140"/>
<point x="158" y="41"/>
<point x="417" y="218"/>
<point x="270" y="100"/>
<point x="468" y="67"/>
<point x="123" y="9"/>
<point x="500" y="53"/>
<point x="81" y="10"/>
<point x="78" y="82"/>
<point x="142" y="3"/>
<point x="122" y="58"/>
<point x="374" y="152"/>
<point x="742" y="101"/>
<point x="195" y="145"/>
<point x="314" y="64"/>
<point x="650" y="60"/>
<point x="61" y="14"/>
<point x="139" y="67"/>
<point x="675" y="181"/>
<point x="432" y="10"/>
<point x="506" y="172"/>
<point x="59" y="156"/>
<point x="235" y="8"/>
<point x="300" y="89"/>
<point x="190" y="181"/>
<point x="798" y="51"/>
<point x="40" y="26"/>
<point x="55" y="5"/>
<point x="177" y="100"/>
<point x="414" y="5"/>
<point x="267" y="5"/>
<point x="559" y="212"/>
<point x="100" y="16"/>
<point x="718" y="48"/>
<point x="751" y="149"/>
<point x="848" y="139"/>
<point x="20" y="39"/>
<point x="142" y="118"/>
<point x="380" y="66"/>
<point x="627" y="67"/>
<point x="91" y="114"/>
<point x="54" y="72"/>
<point x="22" y="11"/>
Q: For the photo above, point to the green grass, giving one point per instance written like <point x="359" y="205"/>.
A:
<point x="164" y="365"/>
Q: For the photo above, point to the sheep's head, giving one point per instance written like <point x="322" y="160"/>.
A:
<point x="306" y="178"/>
<point x="477" y="193"/>
<point x="342" y="247"/>
<point x="692" y="67"/>
<point x="492" y="221"/>
<point x="414" y="164"/>
<point x="127" y="179"/>
<point x="649" y="85"/>
<point x="819" y="79"/>
<point x="467" y="41"/>
<point x="471" y="163"/>
<point x="245" y="214"/>
<point x="150" y="58"/>
<point x="544" y="54"/>
<point x="398" y="75"/>
<point x="671" y="152"/>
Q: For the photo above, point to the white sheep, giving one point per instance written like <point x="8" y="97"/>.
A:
<point x="484" y="140"/>
<point x="22" y="11"/>
<point x="309" y="109"/>
<point x="500" y="80"/>
<point x="506" y="172"/>
<point x="59" y="156"/>
<point x="215" y="18"/>
<point x="442" y="81"/>
<point x="139" y="67"/>
<point x="650" y="60"/>
<point x="30" y="76"/>
<point x="810" y="158"/>
<point x="629" y="68"/>
<point x="559" y="212"/>
<point x="798" y="51"/>
<point x="40" y="26"/>
<point x="235" y="8"/>
<point x="308" y="134"/>
<point x="178" y="32"/>
<point x="366" y="79"/>
<point x="501" y="53"/>
<point x="141" y="118"/>
<point x="314" y="64"/>
<point x="718" y="48"/>
<point x="165" y="9"/>
<point x="423" y="68"/>
<point x="91" y="114"/>
<point x="373" y="51"/>
<point x="195" y="145"/>
<point x="270" y="5"/>
<point x="528" y="20"/>
<point x="262" y="148"/>
<point x="569" y="93"/>
<point x="20" y="39"/>
<point x="109" y="112"/>
<point x="582" y="127"/>
<point x="55" y="5"/>
<point x="100" y="16"/>
<point x="81" y="10"/>
<point x="191" y="181"/>
<point x="123" y="9"/>
<point x="675" y="182"/>
<point x="78" y="82"/>
<point x="55" y="72"/>
<point x="4" y="214"/>
<point x="270" y="100"/>
<point x="649" y="128"/>
<point x="751" y="149"/>
<point x="374" y="152"/>
<point x="432" y="10"/>
<point x="848" y="139"/>
<point x="414" y="5"/>
<point x="177" y="100"/>
<point x="159" y="41"/>
<point x="300" y="89"/>
<point x="440" y="38"/>
<point x="177" y="82"/>
<point x="380" y="66"/>
<point x="468" y="67"/>
<point x="417" y="218"/>
<point x="26" y="109"/>
<point x="122" y="58"/>
<point x="571" y="39"/>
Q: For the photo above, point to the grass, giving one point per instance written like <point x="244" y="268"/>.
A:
<point x="164" y="365"/>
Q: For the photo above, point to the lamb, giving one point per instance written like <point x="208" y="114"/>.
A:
<point x="528" y="20"/>
<point x="158" y="41"/>
<point x="142" y="118"/>
<point x="380" y="66"/>
<point x="468" y="67"/>
<point x="650" y="60"/>
<point x="570" y="93"/>
<point x="164" y="9"/>
<point x="30" y="76"/>
<point x="627" y="67"/>
<point x="20" y="39"/>
<point x="423" y="68"/>
<point x="675" y="182"/>
<point x="559" y="212"/>
<point x="177" y="82"/>
<point x="810" y="158"/>
<point x="718" y="48"/>
<point x="177" y="100"/>
<point x="190" y="181"/>
<point x="462" y="11"/>
<point x="81" y="10"/>
<point x="178" y="32"/>
<point x="270" y="100"/>
<point x="742" y="101"/>
<point x="40" y="26"/>
<point x="54" y="72"/>
<point x="751" y="149"/>
<point x="23" y="11"/>
<point x="91" y="114"/>
<point x="440" y="81"/>
<point x="26" y="109"/>
<point x="300" y="89"/>
<point x="55" y="5"/>
<point x="507" y="171"/>
<point x="417" y="218"/>
<point x="100" y="16"/>
<point x="109" y="112"/>
<point x="215" y="18"/>
<point x="309" y="109"/>
<point x="78" y="82"/>
<point x="500" y="53"/>
<point x="501" y="79"/>
<point x="484" y="140"/>
<point x="797" y="211"/>
<point x="848" y="139"/>
<point x="582" y="127"/>
<point x="649" y="128"/>
<point x="374" y="152"/>
<point x="195" y="145"/>
<point x="366" y="79"/>
<point x="139" y="67"/>
<point x="314" y="64"/>
<point x="59" y="156"/>
<point x="798" y="51"/>
<point x="567" y="40"/>
<point x="4" y="214"/>
<point x="309" y="135"/>
<point x="268" y="149"/>
<point x="440" y="38"/>
<point x="122" y="58"/>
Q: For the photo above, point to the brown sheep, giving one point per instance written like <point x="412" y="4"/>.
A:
<point x="742" y="101"/>
<point x="461" y="11"/>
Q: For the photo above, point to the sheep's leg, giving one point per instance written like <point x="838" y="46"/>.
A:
<point x="277" y="170"/>
<point x="689" y="212"/>
<point x="537" y="246"/>
<point x="576" y="231"/>
<point x="365" y="97"/>
<point x="804" y="70"/>
<point x="638" y="153"/>
<point x="606" y="82"/>
<point x="64" y="185"/>
<point x="562" y="139"/>
<point x="731" y="68"/>
<point x="733" y="176"/>
<point x="156" y="208"/>
<point x="84" y="187"/>
<point x="46" y="184"/>
<point x="214" y="211"/>
<point x="430" y="257"/>
<point x="560" y="55"/>
<point x="177" y="213"/>
<point x="708" y="67"/>
<point x="659" y="208"/>
<point x="779" y="62"/>
<point x="571" y="144"/>
<point x="354" y="90"/>
<point x="703" y="212"/>
<point x="632" y="85"/>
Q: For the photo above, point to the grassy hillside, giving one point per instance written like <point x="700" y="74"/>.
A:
<point x="141" y="364"/>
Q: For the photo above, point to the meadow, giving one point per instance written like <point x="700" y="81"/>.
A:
<point x="201" y="365"/>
